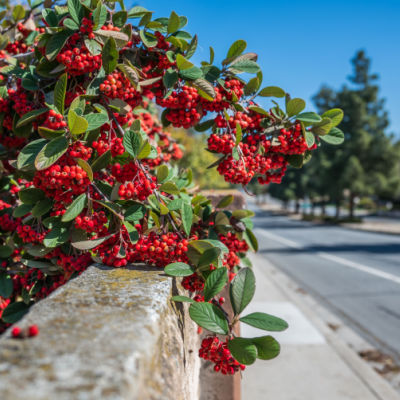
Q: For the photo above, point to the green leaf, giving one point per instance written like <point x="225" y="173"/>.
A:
<point x="70" y="24"/>
<point x="238" y="134"/>
<point x="110" y="55"/>
<point x="242" y="289"/>
<point x="144" y="151"/>
<point x="251" y="86"/>
<point x="130" y="73"/>
<point x="102" y="162"/>
<point x="89" y="244"/>
<point x="5" y="251"/>
<point x="267" y="347"/>
<point x="95" y="120"/>
<point x="272" y="91"/>
<point x="265" y="321"/>
<point x="179" y="269"/>
<point x="14" y="312"/>
<point x="250" y="238"/>
<point x="192" y="47"/>
<point x="162" y="173"/>
<point x="18" y="13"/>
<point x="335" y="115"/>
<point x="323" y="127"/>
<point x="135" y="213"/>
<point x="187" y="218"/>
<point x="132" y="142"/>
<point x="295" y="106"/>
<point x="6" y="286"/>
<point x="170" y="78"/>
<point x="169" y="187"/>
<point x="236" y="49"/>
<point x="86" y="167"/>
<point x="99" y="16"/>
<point x="148" y="39"/>
<point x="75" y="208"/>
<point x="27" y="155"/>
<point x="42" y="207"/>
<point x="225" y="201"/>
<point x="30" y="195"/>
<point x="22" y="210"/>
<point x="51" y="152"/>
<point x="132" y="232"/>
<point x="310" y="139"/>
<point x="205" y="90"/>
<point x="209" y="317"/>
<point x="243" y="350"/>
<point x="76" y="123"/>
<point x="182" y="63"/>
<point x="215" y="282"/>
<point x="58" y="235"/>
<point x="119" y="18"/>
<point x="310" y="117"/>
<point x="183" y="299"/>
<point x="56" y="43"/>
<point x="75" y="9"/>
<point x="335" y="136"/>
<point x="93" y="46"/>
<point x="191" y="73"/>
<point x="210" y="256"/>
<point x="30" y="116"/>
<point x="59" y="93"/>
<point x="173" y="23"/>
<point x="296" y="160"/>
<point x="259" y="110"/>
<point x="245" y="65"/>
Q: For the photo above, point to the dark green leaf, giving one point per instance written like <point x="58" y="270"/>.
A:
<point x="102" y="162"/>
<point x="75" y="9"/>
<point x="22" y="210"/>
<point x="30" y="195"/>
<point x="58" y="235"/>
<point x="96" y="120"/>
<point x="5" y="251"/>
<point x="14" y="312"/>
<point x="110" y="55"/>
<point x="245" y="65"/>
<point x="6" y="286"/>
<point x="27" y="155"/>
<point x="119" y="18"/>
<point x="30" y="116"/>
<point x="215" y="282"/>
<point x="209" y="317"/>
<point x="135" y="213"/>
<point x="310" y="117"/>
<point x="267" y="347"/>
<point x="265" y="321"/>
<point x="75" y="208"/>
<point x="132" y="142"/>
<point x="169" y="187"/>
<point x="243" y="350"/>
<point x="42" y="207"/>
<point x="236" y="49"/>
<point x="191" y="73"/>
<point x="59" y="93"/>
<point x="89" y="244"/>
<point x="51" y="152"/>
<point x="56" y="43"/>
<point x="242" y="289"/>
<point x="187" y="218"/>
<point x="170" y="78"/>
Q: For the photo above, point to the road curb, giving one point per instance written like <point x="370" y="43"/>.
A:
<point x="320" y="317"/>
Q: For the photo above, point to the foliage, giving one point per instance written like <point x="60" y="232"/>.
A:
<point x="369" y="161"/>
<point x="89" y="173"/>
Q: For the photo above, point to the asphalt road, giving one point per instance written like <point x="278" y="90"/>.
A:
<point x="355" y="274"/>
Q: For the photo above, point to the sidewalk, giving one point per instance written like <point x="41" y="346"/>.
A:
<point x="315" y="363"/>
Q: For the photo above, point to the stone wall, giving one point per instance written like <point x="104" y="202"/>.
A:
<point x="108" y="334"/>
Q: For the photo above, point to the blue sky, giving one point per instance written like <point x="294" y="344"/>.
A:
<point x="301" y="44"/>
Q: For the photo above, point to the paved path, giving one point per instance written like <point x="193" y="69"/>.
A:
<point x="356" y="274"/>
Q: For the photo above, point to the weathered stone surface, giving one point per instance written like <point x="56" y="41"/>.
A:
<point x="109" y="334"/>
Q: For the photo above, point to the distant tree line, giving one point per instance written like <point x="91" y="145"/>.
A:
<point x="367" y="164"/>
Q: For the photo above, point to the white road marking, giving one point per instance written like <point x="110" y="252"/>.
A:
<point x="336" y="259"/>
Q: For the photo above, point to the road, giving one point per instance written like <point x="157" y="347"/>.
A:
<point x="355" y="274"/>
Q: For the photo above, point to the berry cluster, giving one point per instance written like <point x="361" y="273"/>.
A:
<point x="216" y="351"/>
